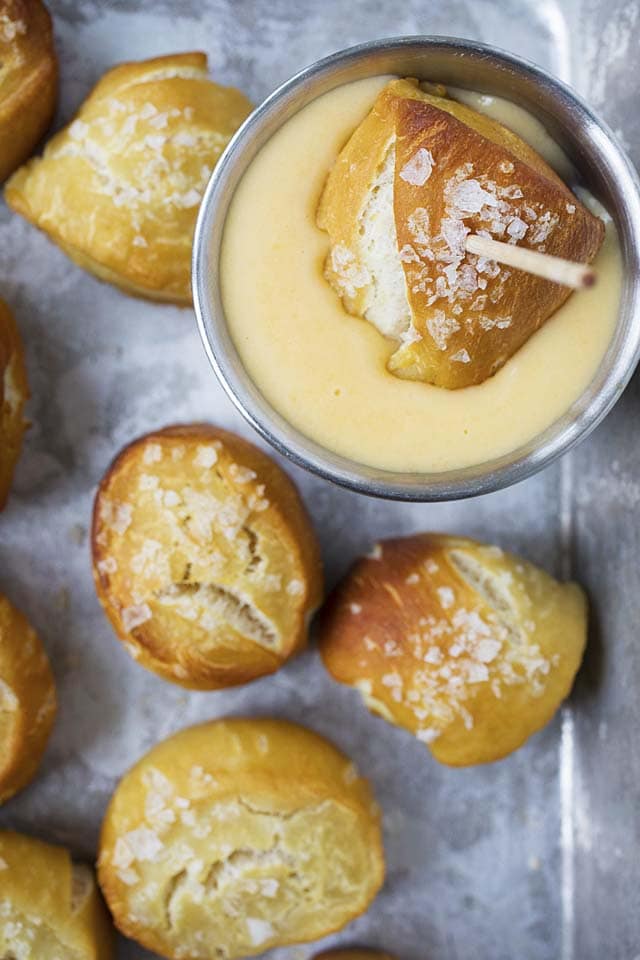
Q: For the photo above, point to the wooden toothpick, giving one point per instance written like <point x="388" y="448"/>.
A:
<point x="565" y="272"/>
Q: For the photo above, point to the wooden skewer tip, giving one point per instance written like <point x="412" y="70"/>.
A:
<point x="555" y="269"/>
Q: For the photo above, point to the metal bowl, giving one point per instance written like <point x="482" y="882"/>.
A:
<point x="603" y="168"/>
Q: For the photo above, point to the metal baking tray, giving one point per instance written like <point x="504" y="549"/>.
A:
<point x="536" y="857"/>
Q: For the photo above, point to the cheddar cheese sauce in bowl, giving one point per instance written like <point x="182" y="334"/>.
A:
<point x="338" y="304"/>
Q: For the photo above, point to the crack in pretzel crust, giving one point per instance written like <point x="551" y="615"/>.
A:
<point x="226" y="607"/>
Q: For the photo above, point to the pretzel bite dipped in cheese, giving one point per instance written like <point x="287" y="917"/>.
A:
<point x="238" y="836"/>
<point x="14" y="393"/>
<point x="28" y="80"/>
<point x="419" y="174"/>
<point x="27" y="701"/>
<point x="205" y="560"/>
<point x="119" y="188"/>
<point x="50" y="907"/>
<point x="469" y="648"/>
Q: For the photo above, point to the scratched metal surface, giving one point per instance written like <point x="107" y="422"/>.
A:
<point x="536" y="857"/>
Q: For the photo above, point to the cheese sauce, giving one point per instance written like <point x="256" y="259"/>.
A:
<point x="324" y="370"/>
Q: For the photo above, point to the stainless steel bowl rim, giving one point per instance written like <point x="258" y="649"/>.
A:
<point x="292" y="443"/>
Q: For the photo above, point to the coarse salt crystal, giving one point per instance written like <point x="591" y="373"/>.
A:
<point x="446" y="597"/>
<point x="451" y="273"/>
<point x="470" y="197"/>
<point x="205" y="457"/>
<point x="418" y="169"/>
<point x="408" y="254"/>
<point x="152" y="453"/>
<point x="476" y="672"/>
<point x="461" y="356"/>
<point x="122" y="856"/>
<point x="78" y="130"/>
<point x="517" y="228"/>
<point x="428" y="735"/>
<point x="128" y="876"/>
<point x="350" y="774"/>
<point x="392" y="680"/>
<point x="159" y="122"/>
<point x="189" y="199"/>
<point x="259" y="930"/>
<point x="184" y="139"/>
<point x="433" y="655"/>
<point x="134" y="616"/>
<point x="143" y="843"/>
<point x="241" y="474"/>
<point x="148" y="481"/>
<point x="108" y="565"/>
<point x="418" y="225"/>
<point x="487" y="650"/>
<point x="441" y="327"/>
<point x="121" y="515"/>
<point x="512" y="192"/>
<point x="454" y="233"/>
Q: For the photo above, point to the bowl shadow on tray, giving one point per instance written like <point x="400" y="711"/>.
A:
<point x="95" y="372"/>
<point x="590" y="675"/>
<point x="48" y="454"/>
<point x="32" y="811"/>
<point x="349" y="524"/>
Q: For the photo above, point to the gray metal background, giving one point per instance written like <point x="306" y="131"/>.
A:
<point x="534" y="858"/>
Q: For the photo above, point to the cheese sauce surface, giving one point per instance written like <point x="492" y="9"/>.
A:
<point x="324" y="370"/>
